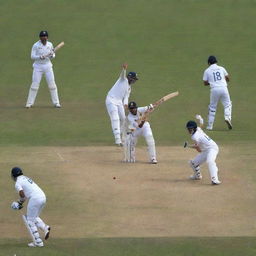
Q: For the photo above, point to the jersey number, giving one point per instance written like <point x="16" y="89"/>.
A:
<point x="30" y="181"/>
<point x="217" y="76"/>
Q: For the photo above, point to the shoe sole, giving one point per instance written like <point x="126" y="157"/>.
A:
<point x="214" y="184"/>
<point x="229" y="125"/>
<point x="191" y="178"/>
<point x="47" y="234"/>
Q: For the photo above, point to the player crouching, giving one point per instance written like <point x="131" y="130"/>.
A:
<point x="28" y="189"/>
<point x="208" y="151"/>
<point x="139" y="126"/>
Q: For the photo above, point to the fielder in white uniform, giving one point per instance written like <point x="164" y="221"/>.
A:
<point x="117" y="101"/>
<point x="217" y="77"/>
<point x="138" y="126"/>
<point x="208" y="151"/>
<point x="42" y="53"/>
<point x="29" y="190"/>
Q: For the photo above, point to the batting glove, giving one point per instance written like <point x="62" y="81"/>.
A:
<point x="16" y="205"/>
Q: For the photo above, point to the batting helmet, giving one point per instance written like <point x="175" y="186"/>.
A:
<point x="132" y="105"/>
<point x="191" y="125"/>
<point x="133" y="75"/>
<point x="212" y="60"/>
<point x="16" y="171"/>
<point x="43" y="33"/>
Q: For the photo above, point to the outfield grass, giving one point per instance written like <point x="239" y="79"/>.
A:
<point x="166" y="42"/>
<point x="211" y="246"/>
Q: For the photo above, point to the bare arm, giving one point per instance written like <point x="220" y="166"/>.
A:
<point x="195" y="146"/>
<point x="22" y="196"/>
<point x="206" y="83"/>
<point x="227" y="78"/>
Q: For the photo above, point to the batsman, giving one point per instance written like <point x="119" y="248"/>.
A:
<point x="139" y="126"/>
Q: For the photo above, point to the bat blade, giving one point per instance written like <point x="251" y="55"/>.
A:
<point x="166" y="97"/>
<point x="169" y="96"/>
<point x="60" y="45"/>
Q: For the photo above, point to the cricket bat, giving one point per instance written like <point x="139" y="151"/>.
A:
<point x="165" y="98"/>
<point x="145" y="116"/>
<point x="60" y="45"/>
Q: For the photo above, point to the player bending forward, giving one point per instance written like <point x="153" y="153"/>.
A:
<point x="138" y="126"/>
<point x="117" y="99"/>
<point x="42" y="53"/>
<point x="28" y="189"/>
<point x="208" y="151"/>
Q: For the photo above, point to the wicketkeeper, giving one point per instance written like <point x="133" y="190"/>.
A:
<point x="139" y="126"/>
<point x="29" y="190"/>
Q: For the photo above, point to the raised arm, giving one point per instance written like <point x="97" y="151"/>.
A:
<point x="123" y="72"/>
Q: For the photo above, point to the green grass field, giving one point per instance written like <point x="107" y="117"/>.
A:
<point x="137" y="247"/>
<point x="167" y="42"/>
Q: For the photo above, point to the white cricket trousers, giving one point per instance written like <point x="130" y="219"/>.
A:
<point x="219" y="94"/>
<point x="37" y="75"/>
<point x="34" y="208"/>
<point x="117" y="117"/>
<point x="209" y="156"/>
<point x="146" y="132"/>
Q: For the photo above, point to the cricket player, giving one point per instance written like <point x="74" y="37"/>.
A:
<point x="29" y="190"/>
<point x="117" y="101"/>
<point x="217" y="77"/>
<point x="42" y="53"/>
<point x="140" y="127"/>
<point x="208" y="151"/>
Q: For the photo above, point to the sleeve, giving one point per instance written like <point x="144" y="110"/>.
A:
<point x="205" y="76"/>
<point x="18" y="187"/>
<point x="143" y="109"/>
<point x="126" y="96"/>
<point x="225" y="72"/>
<point x="33" y="53"/>
<point x="123" y="74"/>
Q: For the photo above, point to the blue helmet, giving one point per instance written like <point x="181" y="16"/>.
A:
<point x="212" y="60"/>
<point x="191" y="125"/>
<point x="133" y="75"/>
<point x="16" y="171"/>
<point x="43" y="33"/>
<point x="132" y="105"/>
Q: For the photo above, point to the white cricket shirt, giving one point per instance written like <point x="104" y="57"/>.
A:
<point x="203" y="140"/>
<point x="120" y="91"/>
<point x="133" y="119"/>
<point x="29" y="187"/>
<point x="38" y="50"/>
<point x="215" y="75"/>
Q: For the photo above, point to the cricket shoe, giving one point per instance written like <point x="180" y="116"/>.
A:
<point x="228" y="122"/>
<point x="32" y="244"/>
<point x="153" y="161"/>
<point x="57" y="105"/>
<point x="28" y="106"/>
<point x="216" y="182"/>
<point x="196" y="176"/>
<point x="209" y="128"/>
<point x="47" y="232"/>
<point x="118" y="142"/>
